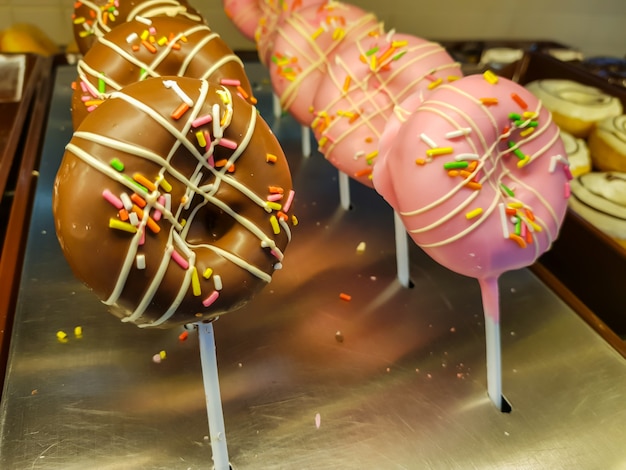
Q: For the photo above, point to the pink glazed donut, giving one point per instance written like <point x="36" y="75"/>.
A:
<point x="304" y="46"/>
<point x="245" y="15"/>
<point x="360" y="90"/>
<point x="274" y="12"/>
<point x="479" y="176"/>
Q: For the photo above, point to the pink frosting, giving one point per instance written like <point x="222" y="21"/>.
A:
<point x="303" y="47"/>
<point x="245" y="15"/>
<point x="401" y="113"/>
<point x="274" y="13"/>
<point x="361" y="88"/>
<point x="501" y="214"/>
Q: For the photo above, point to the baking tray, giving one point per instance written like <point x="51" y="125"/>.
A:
<point x="591" y="264"/>
<point x="393" y="379"/>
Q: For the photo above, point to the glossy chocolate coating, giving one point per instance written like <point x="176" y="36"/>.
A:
<point x="174" y="46"/>
<point x="94" y="18"/>
<point x="226" y="225"/>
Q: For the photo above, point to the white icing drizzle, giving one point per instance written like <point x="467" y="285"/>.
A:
<point x="613" y="131"/>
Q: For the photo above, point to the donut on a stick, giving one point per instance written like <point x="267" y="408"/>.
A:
<point x="140" y="49"/>
<point x="480" y="178"/>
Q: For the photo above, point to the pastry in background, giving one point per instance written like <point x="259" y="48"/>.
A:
<point x="575" y="108"/>
<point x="607" y="144"/>
<point x="25" y="38"/>
<point x="497" y="57"/>
<point x="600" y="198"/>
<point x="577" y="154"/>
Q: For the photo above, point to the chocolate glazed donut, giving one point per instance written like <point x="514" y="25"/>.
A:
<point x="94" y="18"/>
<point x="159" y="46"/>
<point x="172" y="201"/>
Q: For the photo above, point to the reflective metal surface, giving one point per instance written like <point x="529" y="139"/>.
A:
<point x="393" y="379"/>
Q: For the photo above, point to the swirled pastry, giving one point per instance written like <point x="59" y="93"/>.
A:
<point x="600" y="198"/>
<point x="575" y="107"/>
<point x="607" y="144"/>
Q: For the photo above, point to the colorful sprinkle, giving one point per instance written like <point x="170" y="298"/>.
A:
<point x="475" y="185"/>
<point x="455" y="165"/>
<point x="467" y="157"/>
<point x="517" y="239"/>
<point x="137" y="199"/>
<point x="195" y="282"/>
<point x="289" y="200"/>
<point x="165" y="185"/>
<point x="200" y="138"/>
<point x="230" y="82"/>
<point x="113" y="199"/>
<point x="180" y="111"/>
<point x="117" y="164"/>
<point x="123" y="226"/>
<point x="489" y="101"/>
<point x="474" y="213"/>
<point x="520" y="102"/>
<point x="434" y="152"/>
<point x="143" y="20"/>
<point x="428" y="141"/>
<point x="217" y="282"/>
<point x="435" y="83"/>
<point x="211" y="299"/>
<point x="491" y="77"/>
<point x="274" y="224"/>
<point x="508" y="191"/>
<point x="179" y="260"/>
<point x="140" y="261"/>
<point x="227" y="143"/>
<point x="202" y="120"/>
<point x="458" y="133"/>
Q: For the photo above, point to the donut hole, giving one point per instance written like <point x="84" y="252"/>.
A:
<point x="209" y="225"/>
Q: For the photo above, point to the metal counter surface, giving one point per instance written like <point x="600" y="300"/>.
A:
<point x="394" y="379"/>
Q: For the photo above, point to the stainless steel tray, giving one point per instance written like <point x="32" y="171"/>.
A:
<point x="393" y="379"/>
